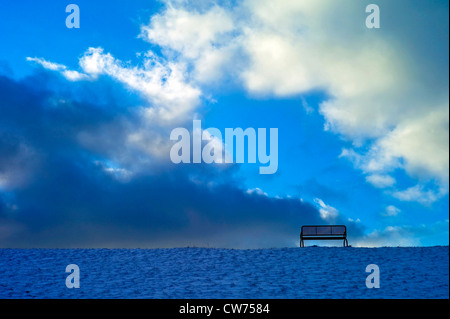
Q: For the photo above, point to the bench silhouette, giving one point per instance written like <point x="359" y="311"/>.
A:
<point x="323" y="232"/>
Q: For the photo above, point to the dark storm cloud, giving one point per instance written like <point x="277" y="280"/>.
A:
<point x="56" y="192"/>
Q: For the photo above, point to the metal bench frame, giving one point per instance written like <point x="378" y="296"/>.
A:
<point x="325" y="236"/>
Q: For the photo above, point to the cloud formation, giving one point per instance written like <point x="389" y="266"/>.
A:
<point x="70" y="75"/>
<point x="58" y="190"/>
<point x="388" y="93"/>
<point x="91" y="175"/>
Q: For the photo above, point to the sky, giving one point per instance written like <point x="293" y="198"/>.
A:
<point x="86" y="116"/>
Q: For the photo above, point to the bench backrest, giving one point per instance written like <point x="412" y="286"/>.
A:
<point x="329" y="230"/>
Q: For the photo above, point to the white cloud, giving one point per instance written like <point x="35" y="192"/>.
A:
<point x="372" y="85"/>
<point x="419" y="194"/>
<point x="46" y="64"/>
<point x="422" y="142"/>
<point x="70" y="75"/>
<point x="257" y="191"/>
<point x="327" y="212"/>
<point x="380" y="181"/>
<point x="391" y="211"/>
<point x="201" y="38"/>
<point x="188" y="32"/>
<point x="121" y="174"/>
<point x="164" y="84"/>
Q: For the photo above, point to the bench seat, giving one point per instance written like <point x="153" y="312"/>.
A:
<point x="323" y="232"/>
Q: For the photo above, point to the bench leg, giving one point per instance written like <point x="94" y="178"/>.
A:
<point x="345" y="242"/>
<point x="302" y="244"/>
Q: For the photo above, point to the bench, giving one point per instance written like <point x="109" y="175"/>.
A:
<point x="323" y="232"/>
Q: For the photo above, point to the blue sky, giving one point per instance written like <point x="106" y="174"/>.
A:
<point x="86" y="115"/>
